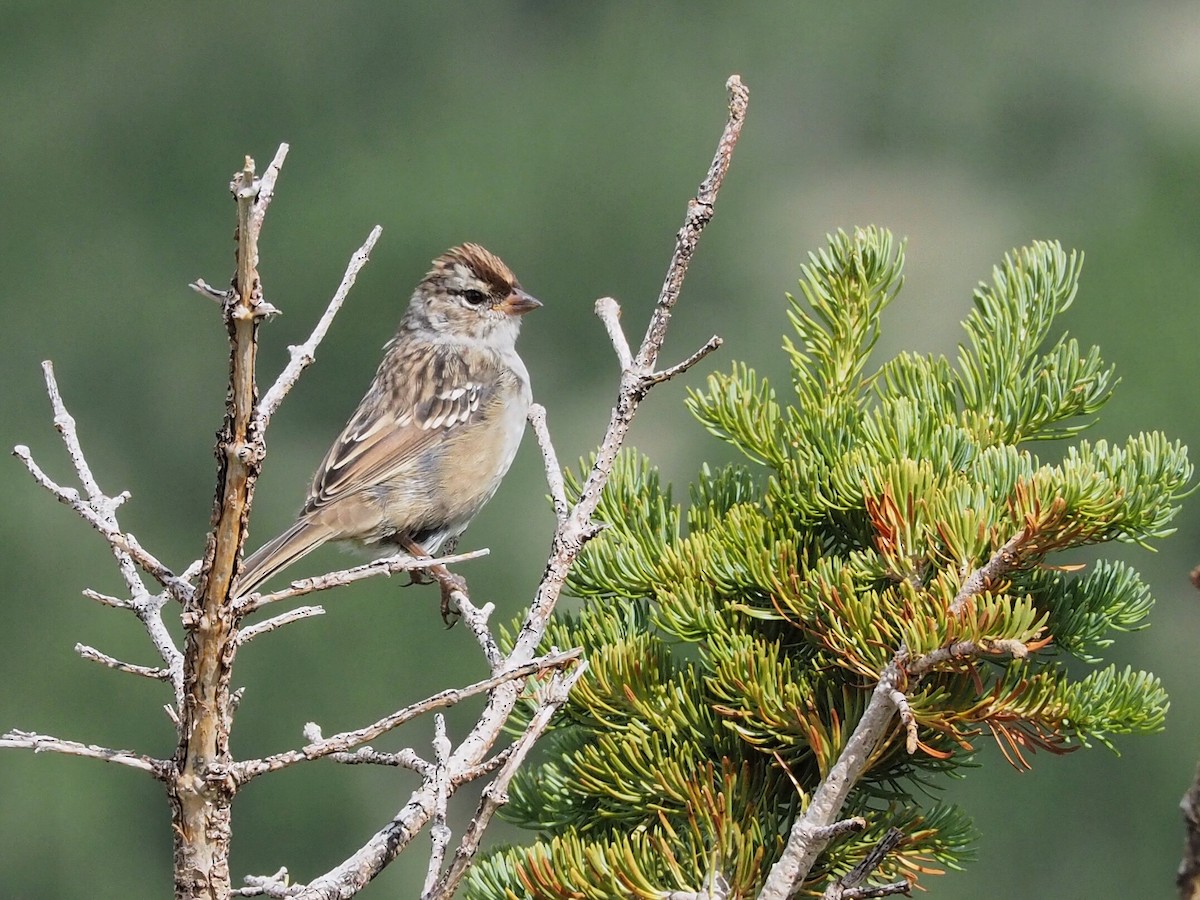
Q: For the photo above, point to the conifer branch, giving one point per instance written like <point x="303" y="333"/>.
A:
<point x="807" y="839"/>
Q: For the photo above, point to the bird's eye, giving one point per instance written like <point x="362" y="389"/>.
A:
<point x="474" y="297"/>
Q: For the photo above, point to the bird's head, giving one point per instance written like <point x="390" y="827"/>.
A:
<point x="471" y="293"/>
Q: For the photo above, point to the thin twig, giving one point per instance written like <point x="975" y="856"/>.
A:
<point x="401" y="759"/>
<point x="401" y="562"/>
<point x="204" y="289"/>
<point x="276" y="885"/>
<point x="302" y="356"/>
<point x="609" y="312"/>
<point x="554" y="475"/>
<point x="439" y="831"/>
<point x="476" y="619"/>
<point x="91" y="653"/>
<point x="44" y="743"/>
<point x="266" y="188"/>
<point x="251" y="768"/>
<point x="106" y="600"/>
<point x="495" y="794"/>
<point x="847" y="887"/>
<point x="124" y="545"/>
<point x="293" y="615"/>
<point x="679" y="368"/>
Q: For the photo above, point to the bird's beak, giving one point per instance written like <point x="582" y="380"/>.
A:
<point x="518" y="303"/>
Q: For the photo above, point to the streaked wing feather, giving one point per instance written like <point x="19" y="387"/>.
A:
<point x="388" y="436"/>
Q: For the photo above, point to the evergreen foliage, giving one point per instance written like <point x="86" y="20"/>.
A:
<point x="734" y="643"/>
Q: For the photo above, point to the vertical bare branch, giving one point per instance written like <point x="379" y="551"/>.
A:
<point x="569" y="538"/>
<point x="203" y="794"/>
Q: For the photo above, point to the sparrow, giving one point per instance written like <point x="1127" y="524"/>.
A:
<point x="437" y="430"/>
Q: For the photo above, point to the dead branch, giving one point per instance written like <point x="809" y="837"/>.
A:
<point x="571" y="534"/>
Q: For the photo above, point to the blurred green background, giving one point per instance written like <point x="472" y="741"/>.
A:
<point x="567" y="138"/>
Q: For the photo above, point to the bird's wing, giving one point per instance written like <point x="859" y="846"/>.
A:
<point x="389" y="432"/>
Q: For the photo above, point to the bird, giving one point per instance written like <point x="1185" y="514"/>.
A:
<point x="435" y="433"/>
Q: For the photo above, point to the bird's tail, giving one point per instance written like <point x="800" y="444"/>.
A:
<point x="299" y="540"/>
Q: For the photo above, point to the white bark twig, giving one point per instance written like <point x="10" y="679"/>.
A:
<point x="439" y="831"/>
<point x="44" y="743"/>
<point x="390" y="565"/>
<point x="292" y="615"/>
<point x="99" y="511"/>
<point x="304" y="355"/>
<point x="265" y="189"/>
<point x="401" y="759"/>
<point x="495" y="794"/>
<point x="638" y="376"/>
<point x="609" y="312"/>
<point x="94" y="655"/>
<point x="276" y="885"/>
<point x="554" y="474"/>
<point x="476" y="619"/>
<point x="251" y="768"/>
<point x="106" y="600"/>
<point x="125" y="546"/>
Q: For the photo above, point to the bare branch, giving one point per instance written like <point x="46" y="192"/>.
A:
<point x="246" y="635"/>
<point x="98" y="510"/>
<point x="700" y="212"/>
<point x="439" y="831"/>
<point x="304" y="354"/>
<point x="609" y="312"/>
<point x="495" y="794"/>
<point x="106" y="600"/>
<point x="847" y="887"/>
<point x="401" y="562"/>
<point x="679" y="368"/>
<point x="265" y="189"/>
<point x="204" y="289"/>
<point x="248" y="769"/>
<point x="570" y="535"/>
<point x="91" y="653"/>
<point x="401" y="759"/>
<point x="201" y="794"/>
<point x="44" y="743"/>
<point x="554" y="475"/>
<point x="476" y="619"/>
<point x="276" y="885"/>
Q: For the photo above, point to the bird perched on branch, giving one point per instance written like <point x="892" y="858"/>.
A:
<point x="437" y="430"/>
